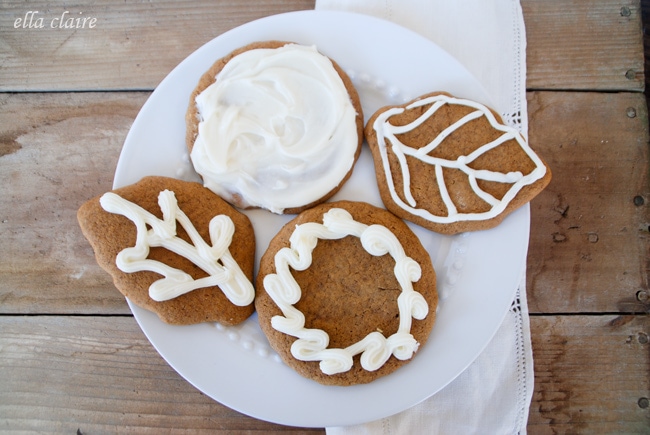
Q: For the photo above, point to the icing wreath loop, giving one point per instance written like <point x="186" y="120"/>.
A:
<point x="312" y="344"/>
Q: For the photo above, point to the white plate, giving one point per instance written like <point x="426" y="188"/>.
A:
<point x="477" y="272"/>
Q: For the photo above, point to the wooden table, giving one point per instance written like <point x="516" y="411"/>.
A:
<point x="72" y="357"/>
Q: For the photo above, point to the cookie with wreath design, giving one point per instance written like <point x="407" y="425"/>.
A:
<point x="346" y="293"/>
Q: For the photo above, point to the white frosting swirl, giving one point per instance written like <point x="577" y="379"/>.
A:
<point x="312" y="344"/>
<point x="277" y="129"/>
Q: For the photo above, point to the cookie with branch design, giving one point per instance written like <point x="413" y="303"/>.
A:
<point x="175" y="248"/>
<point x="346" y="293"/>
<point x="451" y="164"/>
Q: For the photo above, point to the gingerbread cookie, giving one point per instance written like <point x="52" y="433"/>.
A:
<point x="274" y="125"/>
<point x="175" y="248"/>
<point x="346" y="293"/>
<point x="451" y="165"/>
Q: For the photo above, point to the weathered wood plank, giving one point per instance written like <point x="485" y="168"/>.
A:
<point x="600" y="165"/>
<point x="133" y="45"/>
<point x="101" y="374"/>
<point x="575" y="44"/>
<point x="591" y="375"/>
<point x="588" y="45"/>
<point x="57" y="151"/>
<point x="589" y="238"/>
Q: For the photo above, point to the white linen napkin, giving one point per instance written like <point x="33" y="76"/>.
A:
<point x="488" y="37"/>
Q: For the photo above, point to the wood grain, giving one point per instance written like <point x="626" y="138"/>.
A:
<point x="97" y="374"/>
<point x="576" y="44"/>
<point x="133" y="46"/>
<point x="101" y="375"/>
<point x="591" y="374"/>
<point x="584" y="44"/>
<point x="589" y="229"/>
<point x="58" y="151"/>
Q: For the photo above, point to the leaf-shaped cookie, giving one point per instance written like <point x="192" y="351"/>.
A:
<point x="175" y="248"/>
<point x="451" y="164"/>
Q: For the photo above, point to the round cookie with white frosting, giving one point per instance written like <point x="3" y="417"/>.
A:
<point x="346" y="293"/>
<point x="175" y="248"/>
<point x="451" y="164"/>
<point x="274" y="125"/>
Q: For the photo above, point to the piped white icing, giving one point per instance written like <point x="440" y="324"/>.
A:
<point x="215" y="260"/>
<point x="312" y="344"/>
<point x="277" y="129"/>
<point x="387" y="136"/>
